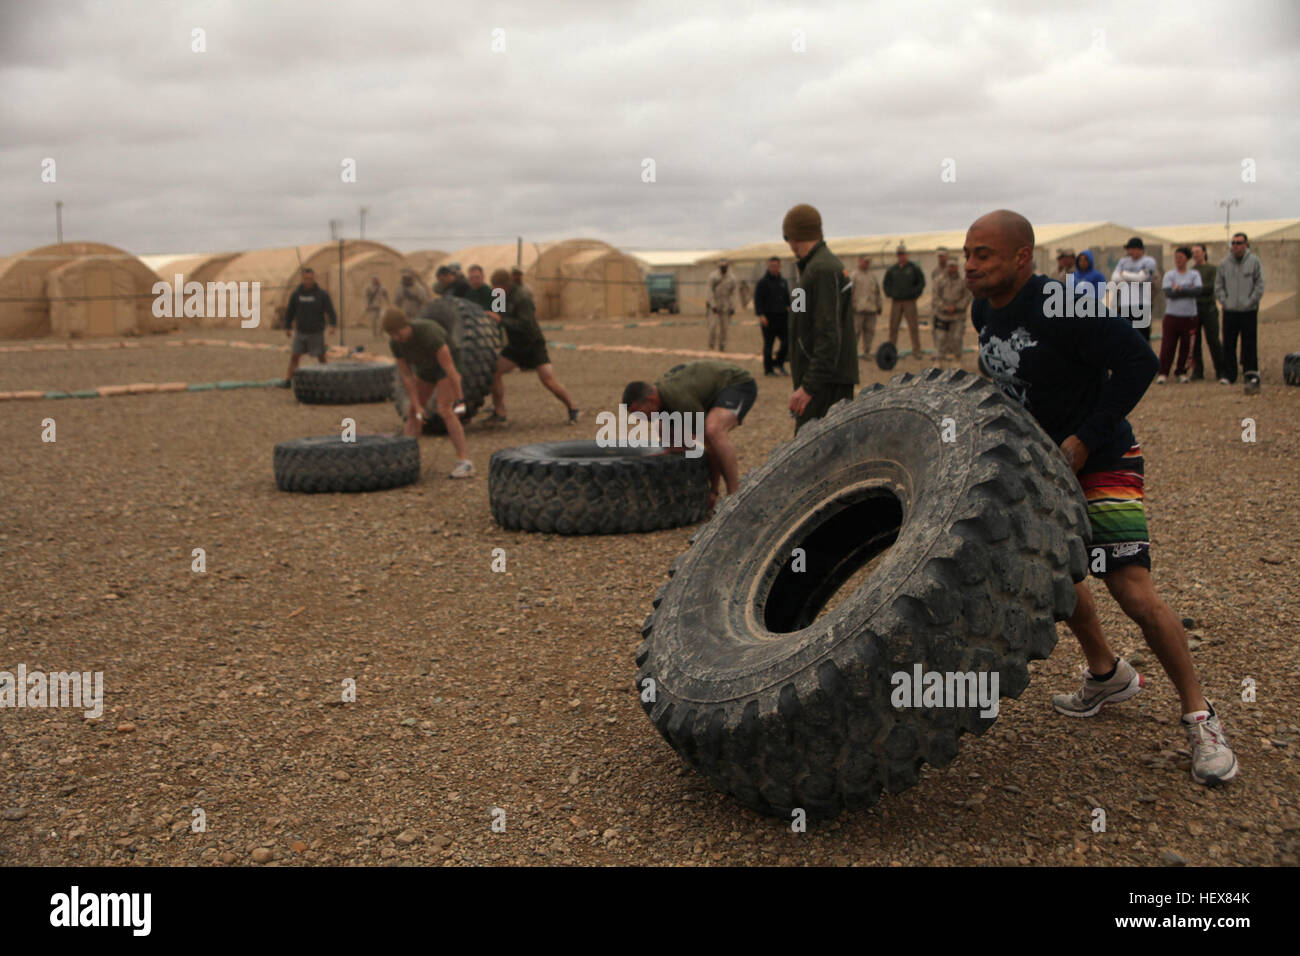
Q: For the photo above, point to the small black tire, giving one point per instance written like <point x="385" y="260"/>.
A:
<point x="886" y="356"/>
<point x="344" y="383"/>
<point x="580" y="487"/>
<point x="327" y="463"/>
<point x="1291" y="369"/>
<point x="776" y="681"/>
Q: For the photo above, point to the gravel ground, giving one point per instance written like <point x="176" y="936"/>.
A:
<point x="511" y="692"/>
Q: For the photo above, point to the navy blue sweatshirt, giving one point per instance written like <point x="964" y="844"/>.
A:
<point x="1076" y="376"/>
<point x="309" y="309"/>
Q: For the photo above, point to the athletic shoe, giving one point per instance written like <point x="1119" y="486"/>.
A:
<point x="463" y="469"/>
<point x="1252" y="383"/>
<point x="781" y="370"/>
<point x="1093" y="694"/>
<point x="573" y="416"/>
<point x="495" y="419"/>
<point x="1161" y="379"/>
<point x="1213" y="761"/>
<point x="1183" y="380"/>
<point x="1224" y="381"/>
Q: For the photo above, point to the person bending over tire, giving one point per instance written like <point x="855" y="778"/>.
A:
<point x="525" y="345"/>
<point x="309" y="306"/>
<point x="722" y="392"/>
<point x="823" y="341"/>
<point x="427" y="368"/>
<point x="1080" y="377"/>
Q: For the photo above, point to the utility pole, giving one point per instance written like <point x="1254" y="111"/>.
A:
<point x="364" y="210"/>
<point x="519" y="251"/>
<point x="58" y="219"/>
<point x="334" y="229"/>
<point x="1227" y="204"/>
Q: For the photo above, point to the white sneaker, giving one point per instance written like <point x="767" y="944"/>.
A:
<point x="1213" y="761"/>
<point x="1224" y="381"/>
<point x="1161" y="379"/>
<point x="1183" y="380"/>
<point x="463" y="469"/>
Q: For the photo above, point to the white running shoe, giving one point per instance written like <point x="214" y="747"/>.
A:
<point x="1093" y="694"/>
<point x="1161" y="379"/>
<point x="1213" y="761"/>
<point x="463" y="469"/>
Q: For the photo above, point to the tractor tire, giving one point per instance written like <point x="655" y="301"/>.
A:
<point x="775" y="680"/>
<point x="327" y="463"/>
<point x="579" y="487"/>
<point x="476" y="339"/>
<point x="1291" y="369"/>
<point x="344" y="383"/>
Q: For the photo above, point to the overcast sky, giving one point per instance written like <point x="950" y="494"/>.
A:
<point x="1141" y="114"/>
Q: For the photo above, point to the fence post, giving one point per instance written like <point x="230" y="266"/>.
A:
<point x="342" y="295"/>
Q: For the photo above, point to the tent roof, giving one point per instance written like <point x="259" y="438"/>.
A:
<point x="281" y="263"/>
<point x="660" y="258"/>
<point x="1212" y="231"/>
<point x="43" y="258"/>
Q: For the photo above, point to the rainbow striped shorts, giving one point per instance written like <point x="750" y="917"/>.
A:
<point x="1118" y="516"/>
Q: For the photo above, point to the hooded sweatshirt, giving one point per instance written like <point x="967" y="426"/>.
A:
<point x="1089" y="281"/>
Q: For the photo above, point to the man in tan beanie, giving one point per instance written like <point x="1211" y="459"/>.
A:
<point x="823" y="359"/>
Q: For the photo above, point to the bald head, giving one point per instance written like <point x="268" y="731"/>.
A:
<point x="999" y="255"/>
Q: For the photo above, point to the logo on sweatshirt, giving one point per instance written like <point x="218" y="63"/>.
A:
<point x="1002" y="359"/>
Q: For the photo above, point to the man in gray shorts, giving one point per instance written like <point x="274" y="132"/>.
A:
<point x="309" y="305"/>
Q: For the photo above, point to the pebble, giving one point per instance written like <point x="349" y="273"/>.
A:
<point x="261" y="855"/>
<point x="126" y="727"/>
<point x="1171" y="858"/>
<point x="407" y="837"/>
<point x="228" y="857"/>
<point x="342" y="775"/>
<point x="14" y="813"/>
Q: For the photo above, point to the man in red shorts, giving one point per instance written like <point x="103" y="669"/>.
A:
<point x="1079" y="377"/>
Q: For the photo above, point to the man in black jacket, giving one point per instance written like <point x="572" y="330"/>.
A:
<point x="1080" y="378"/>
<point x="309" y="305"/>
<point x="772" y="306"/>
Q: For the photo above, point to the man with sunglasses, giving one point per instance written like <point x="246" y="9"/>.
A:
<point x="1239" y="286"/>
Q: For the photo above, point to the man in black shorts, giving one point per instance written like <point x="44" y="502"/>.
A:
<point x="722" y="392"/>
<point x="309" y="306"/>
<point x="1079" y="377"/>
<point x="525" y="345"/>
<point x="426" y="365"/>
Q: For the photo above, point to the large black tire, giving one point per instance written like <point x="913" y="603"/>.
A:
<point x="984" y="537"/>
<point x="578" y="487"/>
<point x="477" y="340"/>
<point x="1291" y="369"/>
<point x="344" y="383"/>
<point x="327" y="463"/>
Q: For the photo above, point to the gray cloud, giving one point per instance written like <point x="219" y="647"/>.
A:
<point x="162" y="149"/>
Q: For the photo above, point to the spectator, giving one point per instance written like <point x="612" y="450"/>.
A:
<point x="479" y="292"/>
<point x="772" y="306"/>
<point x="1136" y="266"/>
<point x="1239" y="285"/>
<point x="376" y="301"/>
<point x="1207" y="316"/>
<point x="1089" y="280"/>
<point x="823" y="368"/>
<point x="904" y="283"/>
<point x="1065" y="264"/>
<point x="309" y="306"/>
<point x="1182" y="285"/>
<point x="448" y="283"/>
<point x="517" y="278"/>
<point x="951" y="301"/>
<point x="721" y="305"/>
<point x="866" y="305"/>
<point x="410" y="294"/>
<point x="941" y="265"/>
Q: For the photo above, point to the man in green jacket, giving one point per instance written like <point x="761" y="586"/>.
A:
<point x="1207" y="312"/>
<point x="479" y="292"/>
<point x="904" y="283"/>
<point x="823" y="356"/>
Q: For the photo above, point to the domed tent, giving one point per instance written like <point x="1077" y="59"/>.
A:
<point x="279" y="272"/>
<point x="425" y="262"/>
<point x="542" y="264"/>
<point x="194" y="268"/>
<point x="77" y="289"/>
<point x="602" y="284"/>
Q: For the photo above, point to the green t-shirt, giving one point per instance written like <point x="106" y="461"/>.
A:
<point x="482" y="297"/>
<point x="421" y="350"/>
<point x="693" y="386"/>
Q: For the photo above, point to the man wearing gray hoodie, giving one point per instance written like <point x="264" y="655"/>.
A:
<point x="1239" y="286"/>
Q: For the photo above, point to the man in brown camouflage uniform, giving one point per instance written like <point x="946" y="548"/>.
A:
<point x="721" y="305"/>
<point x="376" y="301"/>
<point x="866" y="304"/>
<point x="951" y="306"/>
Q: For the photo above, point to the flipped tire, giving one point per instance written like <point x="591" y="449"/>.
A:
<point x="775" y="683"/>
<point x="1291" y="369"/>
<point x="327" y="463"/>
<point x="344" y="383"/>
<point x="579" y="487"/>
<point x="477" y="340"/>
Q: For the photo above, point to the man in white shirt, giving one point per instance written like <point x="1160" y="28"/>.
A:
<point x="1137" y="266"/>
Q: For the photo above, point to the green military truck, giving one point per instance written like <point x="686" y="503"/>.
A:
<point x="662" y="287"/>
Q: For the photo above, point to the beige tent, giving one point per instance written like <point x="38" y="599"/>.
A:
<point x="425" y="262"/>
<point x="602" y="284"/>
<point x="77" y="289"/>
<point x="279" y="272"/>
<point x="194" y="268"/>
<point x="543" y="269"/>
